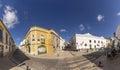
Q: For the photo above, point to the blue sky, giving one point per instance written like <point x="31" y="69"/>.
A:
<point x="66" y="17"/>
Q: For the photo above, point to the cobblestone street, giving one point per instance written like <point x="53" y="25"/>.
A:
<point x="6" y="64"/>
<point x="67" y="60"/>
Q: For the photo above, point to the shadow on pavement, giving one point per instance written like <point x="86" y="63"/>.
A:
<point x="85" y="61"/>
<point x="6" y="64"/>
<point x="19" y="57"/>
<point x="95" y="56"/>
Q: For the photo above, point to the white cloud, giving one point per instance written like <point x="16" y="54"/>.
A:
<point x="81" y="27"/>
<point x="9" y="17"/>
<point x="118" y="14"/>
<point x="63" y="30"/>
<point x="100" y="17"/>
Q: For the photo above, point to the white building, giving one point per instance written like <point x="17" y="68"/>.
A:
<point x="62" y="43"/>
<point x="22" y="45"/>
<point x="87" y="41"/>
<point x="117" y="38"/>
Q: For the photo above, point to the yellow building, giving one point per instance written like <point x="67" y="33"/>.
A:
<point x="108" y="42"/>
<point x="7" y="46"/>
<point x="40" y="40"/>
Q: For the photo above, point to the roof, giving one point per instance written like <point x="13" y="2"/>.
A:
<point x="89" y="35"/>
<point x="51" y="30"/>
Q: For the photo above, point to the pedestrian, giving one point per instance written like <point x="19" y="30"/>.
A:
<point x="100" y="64"/>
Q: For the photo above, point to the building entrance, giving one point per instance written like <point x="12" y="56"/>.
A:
<point x="1" y="50"/>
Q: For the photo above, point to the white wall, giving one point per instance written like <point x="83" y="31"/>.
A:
<point x="5" y="50"/>
<point x="62" y="45"/>
<point x="81" y="40"/>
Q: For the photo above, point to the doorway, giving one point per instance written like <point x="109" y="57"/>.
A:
<point x="1" y="50"/>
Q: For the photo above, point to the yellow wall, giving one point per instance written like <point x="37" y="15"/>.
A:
<point x="10" y="43"/>
<point x="37" y="32"/>
<point x="108" y="42"/>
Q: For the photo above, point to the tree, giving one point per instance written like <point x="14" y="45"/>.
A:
<point x="27" y="45"/>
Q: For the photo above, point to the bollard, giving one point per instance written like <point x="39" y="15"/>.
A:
<point x="27" y="67"/>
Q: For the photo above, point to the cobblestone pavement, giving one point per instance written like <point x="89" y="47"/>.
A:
<point x="6" y="64"/>
<point x="66" y="61"/>
<point x="79" y="62"/>
<point x="110" y="64"/>
<point x="47" y="64"/>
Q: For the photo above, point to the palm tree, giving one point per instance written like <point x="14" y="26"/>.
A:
<point x="27" y="45"/>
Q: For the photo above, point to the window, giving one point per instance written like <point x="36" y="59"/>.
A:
<point x="90" y="41"/>
<point x="33" y="39"/>
<point x="1" y="35"/>
<point x="90" y="46"/>
<point x="32" y="35"/>
<point x="42" y="38"/>
<point x="6" y="47"/>
<point x="101" y="41"/>
<point x="38" y="39"/>
<point x="6" y="38"/>
<point x="94" y="41"/>
<point x="97" y="44"/>
<point x="85" y="44"/>
<point x="98" y="41"/>
<point x="94" y="46"/>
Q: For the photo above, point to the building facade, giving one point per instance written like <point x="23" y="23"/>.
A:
<point x="116" y="38"/>
<point x="62" y="43"/>
<point x="87" y="41"/>
<point x="108" y="42"/>
<point x="22" y="46"/>
<point x="7" y="45"/>
<point x="40" y="40"/>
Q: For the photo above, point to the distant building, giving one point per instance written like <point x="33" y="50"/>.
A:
<point x="116" y="38"/>
<point x="40" y="40"/>
<point x="22" y="46"/>
<point x="108" y="42"/>
<point x="62" y="43"/>
<point x="7" y="45"/>
<point x="87" y="41"/>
